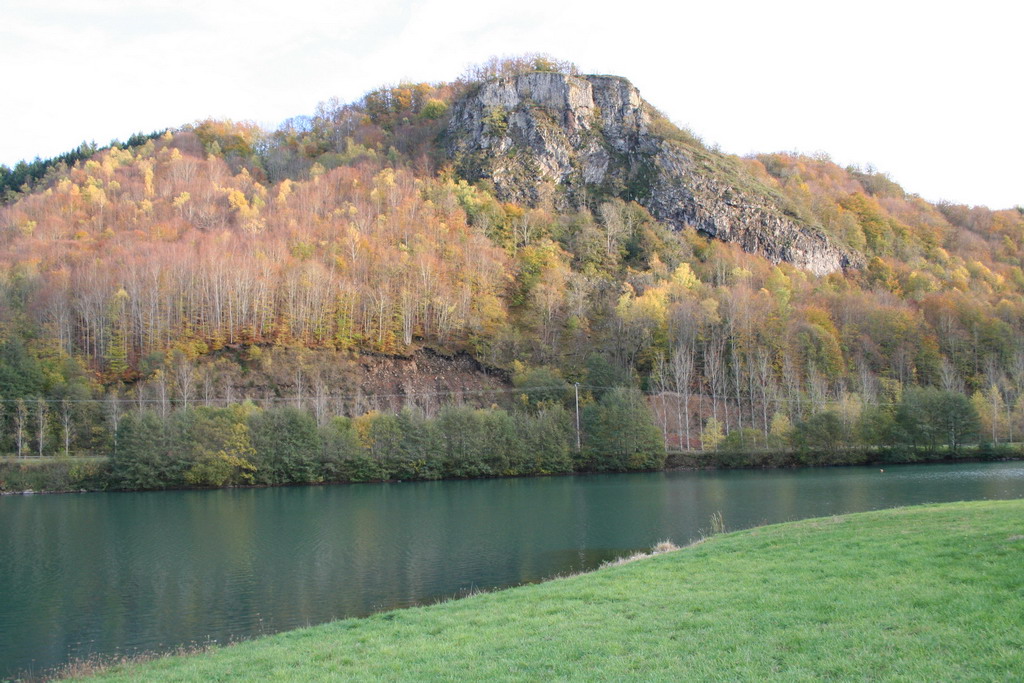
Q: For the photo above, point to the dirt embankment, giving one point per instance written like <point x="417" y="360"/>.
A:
<point x="427" y="378"/>
<point x="342" y="383"/>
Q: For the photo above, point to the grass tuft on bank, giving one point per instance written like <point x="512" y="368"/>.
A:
<point x="922" y="593"/>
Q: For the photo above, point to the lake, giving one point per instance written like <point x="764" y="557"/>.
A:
<point x="93" y="574"/>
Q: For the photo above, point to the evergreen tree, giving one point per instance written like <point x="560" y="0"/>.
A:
<point x="20" y="373"/>
<point x="142" y="460"/>
<point x="460" y="430"/>
<point x="420" y="455"/>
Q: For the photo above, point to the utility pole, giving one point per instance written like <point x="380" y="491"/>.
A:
<point x="578" y="446"/>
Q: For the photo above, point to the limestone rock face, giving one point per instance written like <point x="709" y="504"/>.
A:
<point x="554" y="137"/>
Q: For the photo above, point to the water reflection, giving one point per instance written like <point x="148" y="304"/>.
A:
<point x="99" y="573"/>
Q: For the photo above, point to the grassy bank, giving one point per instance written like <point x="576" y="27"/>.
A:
<point x="923" y="593"/>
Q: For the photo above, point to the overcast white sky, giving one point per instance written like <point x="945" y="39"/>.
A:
<point x="929" y="92"/>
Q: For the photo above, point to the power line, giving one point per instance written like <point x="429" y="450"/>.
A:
<point x="313" y="397"/>
<point x="565" y="389"/>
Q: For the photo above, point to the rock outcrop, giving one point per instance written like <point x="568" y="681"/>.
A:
<point x="572" y="137"/>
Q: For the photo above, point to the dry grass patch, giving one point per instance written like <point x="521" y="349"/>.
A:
<point x="660" y="548"/>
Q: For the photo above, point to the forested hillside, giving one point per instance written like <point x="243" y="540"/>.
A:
<point x="221" y="262"/>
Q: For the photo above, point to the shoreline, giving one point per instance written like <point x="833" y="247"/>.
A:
<point x="696" y="617"/>
<point x="1014" y="455"/>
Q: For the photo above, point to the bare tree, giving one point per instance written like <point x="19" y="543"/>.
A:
<point x="714" y="369"/>
<point x="114" y="412"/>
<point x="663" y="381"/>
<point x="42" y="413"/>
<point x="617" y="226"/>
<point x="682" y="366"/>
<point x="1014" y="386"/>
<point x="736" y="363"/>
<point x="817" y="388"/>
<point x="20" y="424"/>
<point x="950" y="378"/>
<point x="765" y="376"/>
<point x="184" y="375"/>
<point x="867" y="380"/>
<point x="996" y="382"/>
<point x="159" y="381"/>
<point x="321" y="400"/>
<point x="66" y="424"/>
<point x="791" y="376"/>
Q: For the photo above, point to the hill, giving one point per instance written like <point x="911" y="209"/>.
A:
<point x="534" y="219"/>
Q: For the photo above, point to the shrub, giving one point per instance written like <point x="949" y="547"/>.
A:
<point x="54" y="474"/>
<point x="819" y="437"/>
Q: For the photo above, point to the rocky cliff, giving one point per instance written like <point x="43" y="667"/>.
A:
<point x="575" y="137"/>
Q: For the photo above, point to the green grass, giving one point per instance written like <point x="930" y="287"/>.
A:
<point x="916" y="594"/>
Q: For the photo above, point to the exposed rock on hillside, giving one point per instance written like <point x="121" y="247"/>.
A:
<point x="585" y="135"/>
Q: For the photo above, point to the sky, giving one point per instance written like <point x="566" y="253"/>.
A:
<point x="927" y="92"/>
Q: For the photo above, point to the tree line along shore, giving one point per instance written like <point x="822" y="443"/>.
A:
<point x="540" y="433"/>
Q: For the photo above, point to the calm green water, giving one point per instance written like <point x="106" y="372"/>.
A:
<point x="95" y="574"/>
